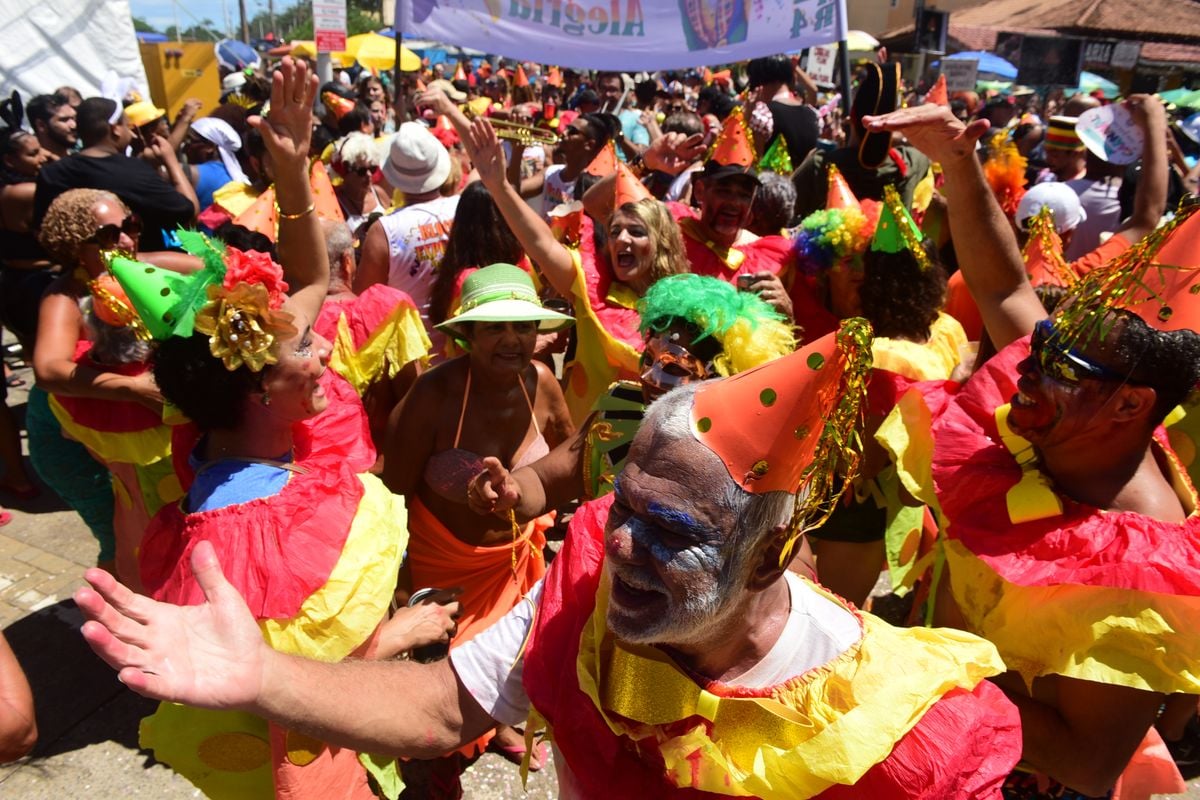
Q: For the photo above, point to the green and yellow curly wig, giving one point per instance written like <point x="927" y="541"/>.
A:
<point x="749" y="330"/>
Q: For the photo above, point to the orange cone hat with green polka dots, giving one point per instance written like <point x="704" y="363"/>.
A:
<point x="791" y="425"/>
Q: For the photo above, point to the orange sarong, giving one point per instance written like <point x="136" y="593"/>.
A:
<point x="490" y="585"/>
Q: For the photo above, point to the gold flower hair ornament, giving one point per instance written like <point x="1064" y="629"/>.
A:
<point x="242" y="327"/>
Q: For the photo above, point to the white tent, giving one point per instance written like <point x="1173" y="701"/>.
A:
<point x="87" y="44"/>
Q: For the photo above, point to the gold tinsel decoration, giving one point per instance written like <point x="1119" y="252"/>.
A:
<point x="839" y="450"/>
<point x="1087" y="311"/>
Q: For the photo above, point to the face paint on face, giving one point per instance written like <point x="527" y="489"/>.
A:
<point x="673" y="573"/>
<point x="667" y="363"/>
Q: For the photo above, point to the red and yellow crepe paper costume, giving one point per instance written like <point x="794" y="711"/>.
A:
<point x="609" y="344"/>
<point x="630" y="723"/>
<point x="317" y="565"/>
<point x="374" y="335"/>
<point x="1060" y="587"/>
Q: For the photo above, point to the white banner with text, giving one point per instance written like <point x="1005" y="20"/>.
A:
<point x="626" y="35"/>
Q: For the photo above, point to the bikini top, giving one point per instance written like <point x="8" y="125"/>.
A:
<point x="447" y="473"/>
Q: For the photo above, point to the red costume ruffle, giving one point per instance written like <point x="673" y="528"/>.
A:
<point x="973" y="471"/>
<point x="275" y="550"/>
<point x="950" y="753"/>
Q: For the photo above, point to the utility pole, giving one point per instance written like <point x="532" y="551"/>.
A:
<point x="245" y="24"/>
<point x="271" y="14"/>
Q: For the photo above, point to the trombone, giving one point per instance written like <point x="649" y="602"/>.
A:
<point x="527" y="135"/>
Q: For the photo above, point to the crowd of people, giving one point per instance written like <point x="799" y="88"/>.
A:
<point x="546" y="411"/>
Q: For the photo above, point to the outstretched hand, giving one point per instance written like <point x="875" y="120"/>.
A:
<point x="933" y="130"/>
<point x="211" y="655"/>
<point x="287" y="128"/>
<point x="483" y="146"/>
<point x="493" y="491"/>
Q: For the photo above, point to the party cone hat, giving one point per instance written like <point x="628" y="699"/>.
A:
<point x="165" y="300"/>
<point x="777" y="159"/>
<point x="521" y="78"/>
<point x="938" y="95"/>
<point x="555" y="78"/>
<point x="1159" y="278"/>
<point x="460" y="74"/>
<point x="839" y="194"/>
<point x="337" y="105"/>
<point x="628" y="189"/>
<point x="734" y="144"/>
<point x="1043" y="253"/>
<point x="604" y="163"/>
<point x="896" y="230"/>
<point x="790" y="425"/>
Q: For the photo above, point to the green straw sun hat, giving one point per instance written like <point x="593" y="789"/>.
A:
<point x="502" y="293"/>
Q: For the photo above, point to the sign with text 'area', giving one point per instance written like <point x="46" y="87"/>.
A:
<point x="626" y="35"/>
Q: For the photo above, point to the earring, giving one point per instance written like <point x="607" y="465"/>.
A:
<point x="266" y="399"/>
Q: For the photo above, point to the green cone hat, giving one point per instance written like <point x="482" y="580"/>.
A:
<point x="896" y="230"/>
<point x="777" y="159"/>
<point x="165" y="300"/>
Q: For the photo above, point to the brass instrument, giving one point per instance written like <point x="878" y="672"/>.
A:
<point x="527" y="135"/>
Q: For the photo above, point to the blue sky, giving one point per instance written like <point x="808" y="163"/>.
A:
<point x="161" y="13"/>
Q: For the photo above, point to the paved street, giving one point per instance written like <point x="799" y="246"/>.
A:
<point x="87" y="720"/>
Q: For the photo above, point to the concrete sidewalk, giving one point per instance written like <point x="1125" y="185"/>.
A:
<point x="87" y="720"/>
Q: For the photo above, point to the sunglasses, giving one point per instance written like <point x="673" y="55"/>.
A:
<point x="107" y="237"/>
<point x="1063" y="364"/>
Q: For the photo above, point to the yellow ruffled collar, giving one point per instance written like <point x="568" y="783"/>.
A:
<point x="731" y="257"/>
<point x="800" y="737"/>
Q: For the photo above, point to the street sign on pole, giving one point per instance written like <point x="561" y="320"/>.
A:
<point x="329" y="25"/>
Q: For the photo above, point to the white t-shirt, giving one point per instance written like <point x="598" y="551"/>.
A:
<point x="490" y="665"/>
<point x="416" y="238"/>
<point x="555" y="190"/>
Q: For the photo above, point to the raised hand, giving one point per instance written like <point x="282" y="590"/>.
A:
<point x="436" y="100"/>
<point x="933" y="130"/>
<point x="210" y="655"/>
<point x="287" y="128"/>
<point x="674" y="152"/>
<point x="493" y="491"/>
<point x="483" y="146"/>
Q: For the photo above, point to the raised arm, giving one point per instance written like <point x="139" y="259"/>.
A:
<point x="479" y="138"/>
<point x="531" y="231"/>
<point x="213" y="656"/>
<point x="286" y="132"/>
<point x="987" y="249"/>
<point x="1150" y="198"/>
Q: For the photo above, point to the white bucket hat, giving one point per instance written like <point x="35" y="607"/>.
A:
<point x="417" y="162"/>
